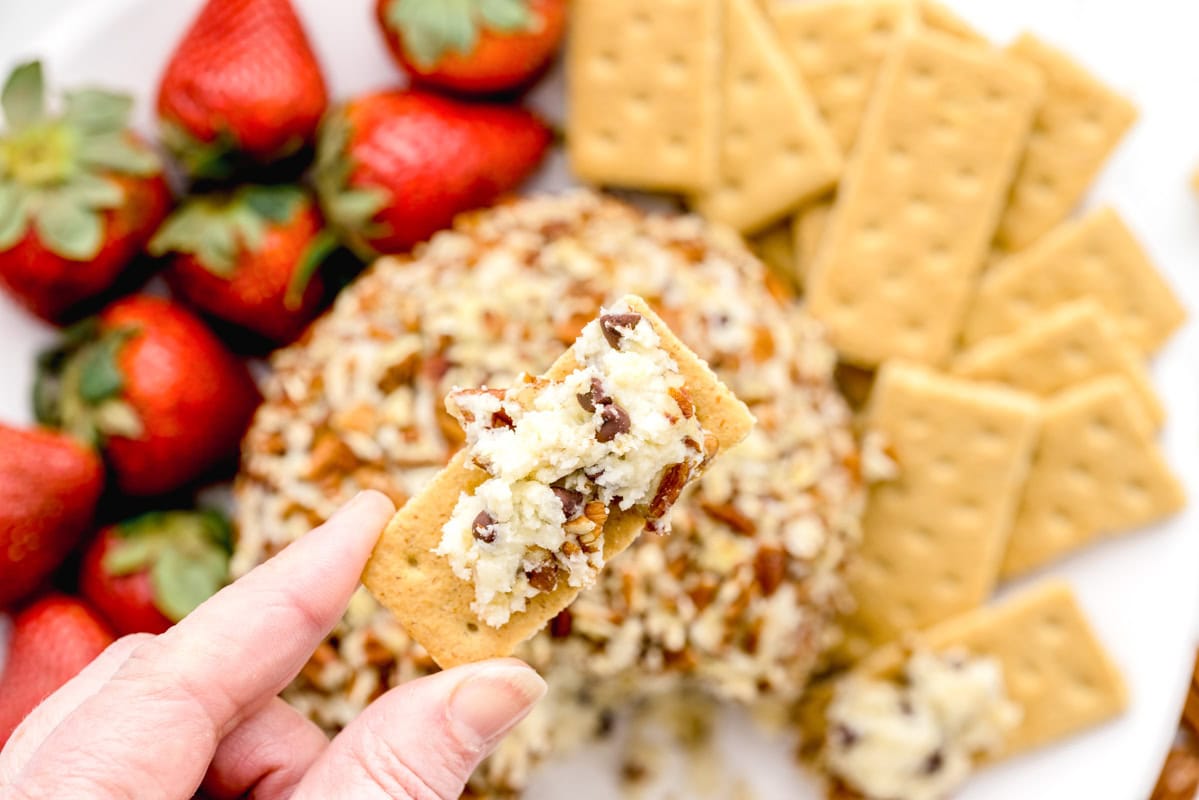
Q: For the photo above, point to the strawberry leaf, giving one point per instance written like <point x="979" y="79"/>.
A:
<point x="429" y="28"/>
<point x="131" y="554"/>
<point x="100" y="378"/>
<point x="311" y="259"/>
<point x="275" y="203"/>
<point x="213" y="160"/>
<point x="14" y="214"/>
<point x="23" y="97"/>
<point x="507" y="16"/>
<point x="115" y="151"/>
<point x="94" y="191"/>
<point x="185" y="553"/>
<point x="116" y="417"/>
<point x="97" y="111"/>
<point x="71" y="230"/>
<point x="181" y="582"/>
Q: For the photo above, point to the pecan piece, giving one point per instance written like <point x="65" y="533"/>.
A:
<point x="683" y="400"/>
<point x="770" y="567"/>
<point x="669" y="489"/>
<point x="730" y="515"/>
<point x="544" y="578"/>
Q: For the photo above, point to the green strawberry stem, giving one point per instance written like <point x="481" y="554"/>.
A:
<point x="218" y="228"/>
<point x="431" y="28"/>
<point x="56" y="172"/>
<point x="319" y="249"/>
<point x="78" y="386"/>
<point x="186" y="554"/>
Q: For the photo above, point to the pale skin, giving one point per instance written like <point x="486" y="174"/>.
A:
<point x="195" y="712"/>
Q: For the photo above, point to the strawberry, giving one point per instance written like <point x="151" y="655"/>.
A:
<point x="49" y="485"/>
<point x="79" y="194"/>
<point x="52" y="641"/>
<point x="147" y="573"/>
<point x="243" y="81"/>
<point x="472" y="46"/>
<point x="147" y="382"/>
<point x="249" y="258"/>
<point x="395" y="167"/>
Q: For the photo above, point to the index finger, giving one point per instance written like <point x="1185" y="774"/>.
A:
<point x="160" y="718"/>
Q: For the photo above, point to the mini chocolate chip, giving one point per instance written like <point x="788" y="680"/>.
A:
<point x="614" y="325"/>
<point x="572" y="501"/>
<point x="934" y="762"/>
<point x="905" y="705"/>
<point x="594" y="474"/>
<point x="614" y="420"/>
<point x="845" y="735"/>
<point x="483" y="527"/>
<point x="596" y="397"/>
<point x="500" y="419"/>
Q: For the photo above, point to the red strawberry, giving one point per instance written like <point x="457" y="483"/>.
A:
<point x="249" y="258"/>
<point x="151" y="385"/>
<point x="243" y="79"/>
<point x="149" y="572"/>
<point x="395" y="167"/>
<point x="472" y="46"/>
<point x="52" y="641"/>
<point x="49" y="485"/>
<point x="79" y="194"/>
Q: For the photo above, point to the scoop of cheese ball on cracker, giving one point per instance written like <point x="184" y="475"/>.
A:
<point x="559" y="474"/>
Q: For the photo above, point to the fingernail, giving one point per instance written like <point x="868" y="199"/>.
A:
<point x="366" y="498"/>
<point x="490" y="702"/>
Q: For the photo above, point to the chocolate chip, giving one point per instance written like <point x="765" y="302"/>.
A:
<point x="932" y="765"/>
<point x="484" y="527"/>
<point x="844" y="735"/>
<point x="500" y="419"/>
<point x="614" y="325"/>
<point x="572" y="501"/>
<point x="905" y="706"/>
<point x="596" y="397"/>
<point x="614" y="420"/>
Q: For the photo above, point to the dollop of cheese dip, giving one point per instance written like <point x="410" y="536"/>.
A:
<point x="919" y="740"/>
<point x="619" y="431"/>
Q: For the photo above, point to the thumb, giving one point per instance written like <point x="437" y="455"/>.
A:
<point x="422" y="740"/>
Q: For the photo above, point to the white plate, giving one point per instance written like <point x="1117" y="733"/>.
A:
<point x="1142" y="592"/>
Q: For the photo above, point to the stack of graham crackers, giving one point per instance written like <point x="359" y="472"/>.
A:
<point x="919" y="186"/>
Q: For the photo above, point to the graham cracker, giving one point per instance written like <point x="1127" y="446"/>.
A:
<point x="838" y="47"/>
<point x="933" y="538"/>
<point x="775" y="246"/>
<point x="917" y="207"/>
<point x="1054" y="666"/>
<point x="775" y="150"/>
<point x="937" y="17"/>
<point x="643" y="93"/>
<point x="434" y="605"/>
<point x="1096" y="472"/>
<point x="1067" y="346"/>
<point x="1096" y="256"/>
<point x="807" y="227"/>
<point x="1076" y="129"/>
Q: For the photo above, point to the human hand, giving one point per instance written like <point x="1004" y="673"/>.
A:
<point x="195" y="709"/>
